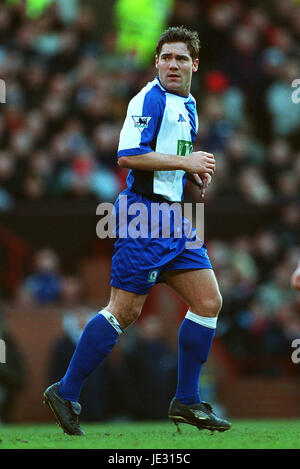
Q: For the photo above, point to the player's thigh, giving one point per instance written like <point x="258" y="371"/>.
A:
<point x="198" y="288"/>
<point x="125" y="306"/>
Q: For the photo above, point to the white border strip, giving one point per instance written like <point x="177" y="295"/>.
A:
<point x="204" y="321"/>
<point x="112" y="320"/>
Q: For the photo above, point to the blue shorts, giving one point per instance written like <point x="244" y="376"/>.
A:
<point x="142" y="255"/>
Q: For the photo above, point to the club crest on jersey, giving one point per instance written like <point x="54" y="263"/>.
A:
<point x="141" y="122"/>
<point x="153" y="276"/>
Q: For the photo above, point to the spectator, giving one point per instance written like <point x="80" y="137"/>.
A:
<point x="150" y="396"/>
<point x="44" y="286"/>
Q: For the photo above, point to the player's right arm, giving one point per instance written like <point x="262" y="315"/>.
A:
<point x="197" y="162"/>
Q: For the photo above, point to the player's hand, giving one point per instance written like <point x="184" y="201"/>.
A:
<point x="202" y="181"/>
<point x="200" y="162"/>
<point x="206" y="180"/>
<point x="295" y="279"/>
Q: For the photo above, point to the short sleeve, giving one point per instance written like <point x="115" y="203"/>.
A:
<point x="142" y="123"/>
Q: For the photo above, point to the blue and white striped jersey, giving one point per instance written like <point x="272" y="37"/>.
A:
<point x="165" y="122"/>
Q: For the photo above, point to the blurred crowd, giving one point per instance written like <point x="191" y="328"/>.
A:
<point x="67" y="90"/>
<point x="260" y="316"/>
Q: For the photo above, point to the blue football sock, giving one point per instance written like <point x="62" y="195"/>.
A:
<point x="97" y="340"/>
<point x="194" y="342"/>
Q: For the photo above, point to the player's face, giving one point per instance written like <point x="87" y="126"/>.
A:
<point x="175" y="67"/>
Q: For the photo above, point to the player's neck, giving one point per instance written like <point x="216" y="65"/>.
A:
<point x="184" y="94"/>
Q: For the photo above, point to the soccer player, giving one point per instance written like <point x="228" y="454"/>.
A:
<point x="295" y="279"/>
<point x="156" y="144"/>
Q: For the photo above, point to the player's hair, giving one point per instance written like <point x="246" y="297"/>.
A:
<point x="180" y="34"/>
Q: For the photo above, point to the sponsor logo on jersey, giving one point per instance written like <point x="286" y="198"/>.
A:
<point x="184" y="147"/>
<point x="181" y="118"/>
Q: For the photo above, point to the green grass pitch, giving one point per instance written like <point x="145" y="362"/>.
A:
<point x="244" y="434"/>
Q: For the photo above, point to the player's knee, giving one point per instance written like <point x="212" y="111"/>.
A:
<point x="127" y="316"/>
<point x="219" y="303"/>
<point x="209" y="307"/>
<point x="133" y="315"/>
<point x="214" y="306"/>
